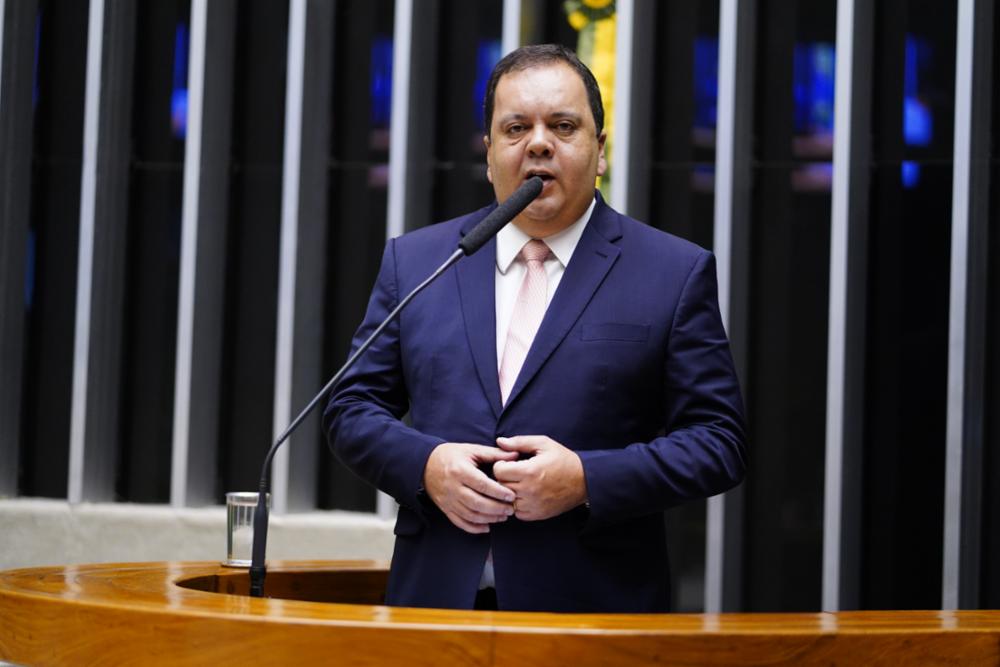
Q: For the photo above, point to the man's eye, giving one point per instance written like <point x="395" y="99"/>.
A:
<point x="515" y="129"/>
<point x="565" y="127"/>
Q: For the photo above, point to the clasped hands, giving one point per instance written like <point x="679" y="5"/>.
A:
<point x="547" y="484"/>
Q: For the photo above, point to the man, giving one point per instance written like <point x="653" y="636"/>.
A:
<point x="579" y="357"/>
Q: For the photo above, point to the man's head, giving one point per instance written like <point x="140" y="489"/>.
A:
<point x="544" y="117"/>
<point x="538" y="55"/>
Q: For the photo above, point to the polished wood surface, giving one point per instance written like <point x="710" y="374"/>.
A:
<point x="327" y="613"/>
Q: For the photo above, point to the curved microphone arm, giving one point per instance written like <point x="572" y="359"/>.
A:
<point x="260" y="517"/>
<point x="473" y="241"/>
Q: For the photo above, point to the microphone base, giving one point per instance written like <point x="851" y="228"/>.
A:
<point x="257" y="582"/>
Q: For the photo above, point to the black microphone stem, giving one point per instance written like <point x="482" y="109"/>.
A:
<point x="260" y="518"/>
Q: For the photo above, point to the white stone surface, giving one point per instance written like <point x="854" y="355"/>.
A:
<point x="37" y="532"/>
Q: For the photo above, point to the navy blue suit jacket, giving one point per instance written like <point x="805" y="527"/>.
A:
<point x="630" y="368"/>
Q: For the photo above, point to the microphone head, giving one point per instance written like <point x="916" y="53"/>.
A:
<point x="501" y="215"/>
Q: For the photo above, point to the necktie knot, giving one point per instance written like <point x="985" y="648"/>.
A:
<point x="535" y="251"/>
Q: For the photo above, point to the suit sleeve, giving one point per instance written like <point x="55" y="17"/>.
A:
<point x="363" y="417"/>
<point x="702" y="451"/>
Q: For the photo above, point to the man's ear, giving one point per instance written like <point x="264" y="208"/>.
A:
<point x="486" y="142"/>
<point x="602" y="160"/>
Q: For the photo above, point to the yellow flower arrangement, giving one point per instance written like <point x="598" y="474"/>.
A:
<point x="582" y="13"/>
<point x="594" y="20"/>
<point x="578" y="20"/>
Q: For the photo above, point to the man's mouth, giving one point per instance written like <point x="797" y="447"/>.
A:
<point x="544" y="175"/>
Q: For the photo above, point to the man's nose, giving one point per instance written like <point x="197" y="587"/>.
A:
<point x="540" y="142"/>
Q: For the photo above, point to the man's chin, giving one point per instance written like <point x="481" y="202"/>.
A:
<point x="544" y="209"/>
<point x="541" y="228"/>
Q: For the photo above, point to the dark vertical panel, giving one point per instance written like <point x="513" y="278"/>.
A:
<point x="680" y="200"/>
<point x="682" y="182"/>
<point x="686" y="546"/>
<point x="156" y="181"/>
<point x="907" y="328"/>
<point x="253" y="240"/>
<point x="358" y="169"/>
<point x="544" y="22"/>
<point x="786" y="387"/>
<point x="642" y="109"/>
<point x="989" y="588"/>
<point x="16" y="79"/>
<point x="55" y="217"/>
<point x="468" y="48"/>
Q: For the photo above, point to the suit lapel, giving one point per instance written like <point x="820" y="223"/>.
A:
<point x="476" y="277"/>
<point x="594" y="256"/>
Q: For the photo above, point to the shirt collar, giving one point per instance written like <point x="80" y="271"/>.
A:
<point x="511" y="239"/>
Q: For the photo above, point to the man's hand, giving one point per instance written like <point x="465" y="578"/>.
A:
<point x="470" y="499"/>
<point x="548" y="484"/>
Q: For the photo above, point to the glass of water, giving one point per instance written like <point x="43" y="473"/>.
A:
<point x="240" y="506"/>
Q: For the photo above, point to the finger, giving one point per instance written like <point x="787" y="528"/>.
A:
<point x="510" y="471"/>
<point x="477" y="519"/>
<point x="480" y="509"/>
<point x="485" y="454"/>
<point x="468" y="526"/>
<point x="483" y="504"/>
<point x="524" y="510"/>
<point x="479" y="482"/>
<point x="524" y="443"/>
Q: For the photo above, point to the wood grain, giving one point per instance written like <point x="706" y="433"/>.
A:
<point x="326" y="612"/>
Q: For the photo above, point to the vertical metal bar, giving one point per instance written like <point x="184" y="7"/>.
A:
<point x="625" y="27"/>
<point x="102" y="271"/>
<point x="399" y="126"/>
<point x="642" y="77"/>
<point x="511" y="35"/>
<point x="967" y="308"/>
<point x="189" y="255"/>
<point x="291" y="171"/>
<point x="714" y="521"/>
<point x="201" y="293"/>
<point x="310" y="259"/>
<point x="9" y="430"/>
<point x="848" y="275"/>
<point x="724" y="151"/>
<point x="839" y="227"/>
<point x="385" y="506"/>
<point x="724" y="158"/>
<point x="399" y="140"/>
<point x="85" y="263"/>
<point x="957" y="306"/>
<point x="723" y="530"/>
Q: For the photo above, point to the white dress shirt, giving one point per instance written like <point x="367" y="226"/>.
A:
<point x="510" y="275"/>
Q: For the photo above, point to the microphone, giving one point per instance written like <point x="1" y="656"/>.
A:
<point x="473" y="241"/>
<point x="501" y="215"/>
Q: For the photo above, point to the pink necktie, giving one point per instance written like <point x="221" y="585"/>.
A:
<point x="528" y="313"/>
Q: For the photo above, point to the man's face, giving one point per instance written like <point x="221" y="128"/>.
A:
<point x="542" y="125"/>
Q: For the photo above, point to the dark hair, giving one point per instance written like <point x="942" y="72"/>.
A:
<point x="538" y="55"/>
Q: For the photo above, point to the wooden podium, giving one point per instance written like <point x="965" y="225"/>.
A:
<point x="328" y="612"/>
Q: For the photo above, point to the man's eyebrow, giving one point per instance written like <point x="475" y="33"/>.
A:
<point x="571" y="115"/>
<point x="506" y="118"/>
